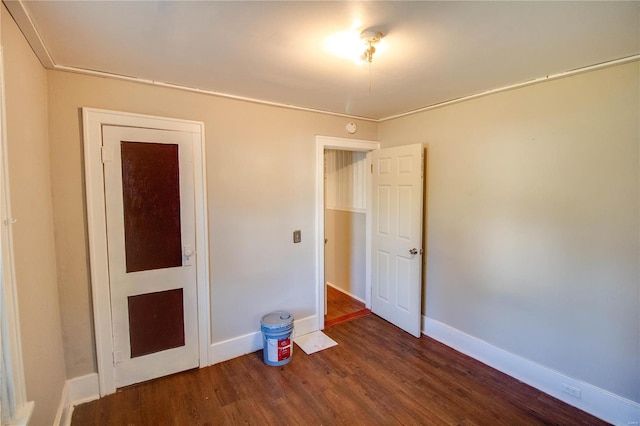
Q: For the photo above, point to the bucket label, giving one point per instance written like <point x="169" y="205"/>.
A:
<point x="278" y="349"/>
<point x="283" y="343"/>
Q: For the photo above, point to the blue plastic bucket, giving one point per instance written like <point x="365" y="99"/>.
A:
<point x="276" y="337"/>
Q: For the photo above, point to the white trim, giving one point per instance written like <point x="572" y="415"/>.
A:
<point x="251" y="342"/>
<point x="368" y="233"/>
<point x="357" y="117"/>
<point x="11" y="342"/>
<point x="76" y="391"/>
<point x="351" y="295"/>
<point x="361" y="145"/>
<point x="594" y="400"/>
<point x="346" y="209"/>
<point x="84" y="389"/>
<point x="322" y="143"/>
<point x="23" y="414"/>
<point x="204" y="92"/>
<point x="235" y="347"/>
<point x="93" y="120"/>
<point x="63" y="417"/>
<point x="202" y="248"/>
<point x="26" y="25"/>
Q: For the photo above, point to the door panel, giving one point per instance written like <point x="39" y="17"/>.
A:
<point x="397" y="230"/>
<point x="151" y="202"/>
<point x="149" y="195"/>
<point x="382" y="274"/>
<point x="156" y="321"/>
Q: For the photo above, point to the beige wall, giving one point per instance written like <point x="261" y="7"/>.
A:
<point x="33" y="237"/>
<point x="345" y="251"/>
<point x="533" y="219"/>
<point x="261" y="186"/>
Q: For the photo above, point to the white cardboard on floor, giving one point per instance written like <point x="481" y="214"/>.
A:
<point x="314" y="342"/>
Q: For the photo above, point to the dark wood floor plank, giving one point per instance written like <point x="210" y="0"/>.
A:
<point x="376" y="375"/>
<point x="340" y="304"/>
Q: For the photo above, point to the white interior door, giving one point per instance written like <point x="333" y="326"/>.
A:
<point x="397" y="199"/>
<point x="149" y="196"/>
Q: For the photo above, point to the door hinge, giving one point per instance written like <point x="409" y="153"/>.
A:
<point x="371" y="168"/>
<point x="117" y="357"/>
<point x="324" y="165"/>
<point x="106" y="155"/>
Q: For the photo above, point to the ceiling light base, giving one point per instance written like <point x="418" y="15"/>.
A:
<point x="371" y="38"/>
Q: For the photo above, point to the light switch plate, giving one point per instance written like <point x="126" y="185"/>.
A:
<point x="297" y="236"/>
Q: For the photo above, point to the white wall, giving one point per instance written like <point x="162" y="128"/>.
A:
<point x="533" y="219"/>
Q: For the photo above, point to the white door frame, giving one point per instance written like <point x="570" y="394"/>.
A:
<point x="322" y="143"/>
<point x="18" y="412"/>
<point x="93" y="120"/>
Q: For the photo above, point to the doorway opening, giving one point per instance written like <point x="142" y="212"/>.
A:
<point x="362" y="149"/>
<point x="394" y="229"/>
<point x="345" y="212"/>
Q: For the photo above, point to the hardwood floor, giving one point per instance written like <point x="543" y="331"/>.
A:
<point x="376" y="375"/>
<point x="341" y="307"/>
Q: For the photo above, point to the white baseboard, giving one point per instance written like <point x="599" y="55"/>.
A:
<point x="63" y="408"/>
<point x="84" y="389"/>
<point x="242" y="345"/>
<point x="23" y="414"/>
<point x="346" y="292"/>
<point x="594" y="400"/>
<point x="76" y="391"/>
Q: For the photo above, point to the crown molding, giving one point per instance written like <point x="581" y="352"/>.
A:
<point x="19" y="13"/>
<point x="25" y="23"/>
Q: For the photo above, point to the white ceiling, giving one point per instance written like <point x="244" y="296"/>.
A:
<point x="273" y="51"/>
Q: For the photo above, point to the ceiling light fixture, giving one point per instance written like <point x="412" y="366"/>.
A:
<point x="359" y="47"/>
<point x="355" y="45"/>
<point x="371" y="38"/>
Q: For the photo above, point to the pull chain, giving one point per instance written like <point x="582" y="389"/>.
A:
<point x="370" y="38"/>
<point x="368" y="56"/>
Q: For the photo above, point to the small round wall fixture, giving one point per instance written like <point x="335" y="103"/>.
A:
<point x="351" y="127"/>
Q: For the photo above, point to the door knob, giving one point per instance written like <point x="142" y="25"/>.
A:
<point x="414" y="251"/>
<point x="187" y="252"/>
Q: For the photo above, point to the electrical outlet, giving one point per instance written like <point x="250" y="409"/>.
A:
<point x="574" y="392"/>
<point x="297" y="236"/>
